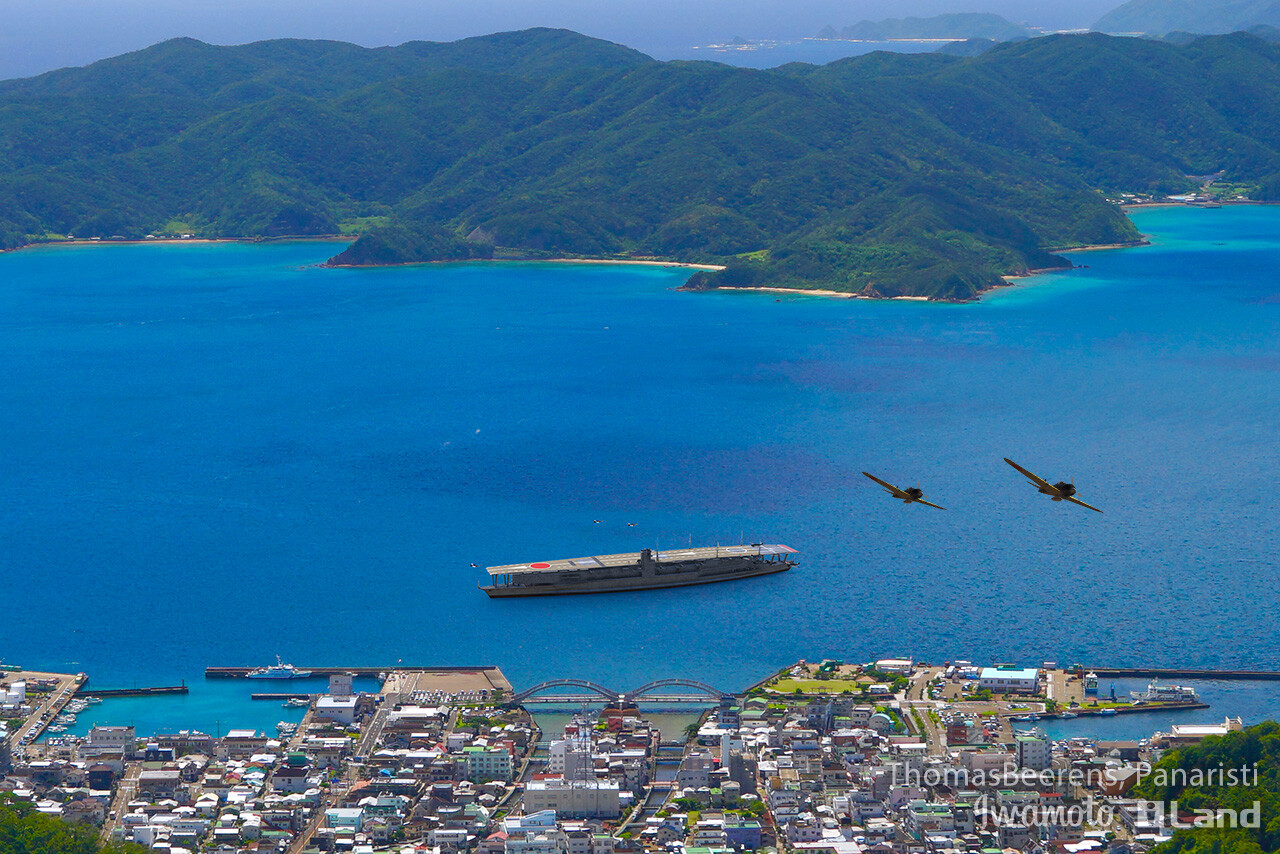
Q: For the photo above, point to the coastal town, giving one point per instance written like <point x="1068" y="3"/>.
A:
<point x="887" y="757"/>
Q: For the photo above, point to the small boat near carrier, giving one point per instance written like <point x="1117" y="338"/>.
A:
<point x="643" y="570"/>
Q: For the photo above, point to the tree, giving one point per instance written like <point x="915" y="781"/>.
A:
<point x="25" y="831"/>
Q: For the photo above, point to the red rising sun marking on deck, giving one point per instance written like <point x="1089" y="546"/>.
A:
<point x="539" y="566"/>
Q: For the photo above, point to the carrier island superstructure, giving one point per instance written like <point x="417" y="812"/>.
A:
<point x="643" y="570"/>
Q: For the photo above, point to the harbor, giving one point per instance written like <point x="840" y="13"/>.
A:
<point x="521" y="749"/>
<point x="1066" y="698"/>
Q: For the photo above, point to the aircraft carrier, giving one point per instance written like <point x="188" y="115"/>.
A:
<point x="643" y="570"/>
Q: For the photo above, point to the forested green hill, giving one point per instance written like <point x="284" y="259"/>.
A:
<point x="886" y="174"/>
<point x="25" y="831"/>
<point x="1256" y="750"/>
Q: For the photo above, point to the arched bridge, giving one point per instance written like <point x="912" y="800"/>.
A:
<point x="700" y="687"/>
<point x="651" y="691"/>
<point x="566" y="683"/>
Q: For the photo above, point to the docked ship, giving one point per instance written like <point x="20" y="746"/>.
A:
<point x="279" y="670"/>
<point x="1157" y="693"/>
<point x="643" y="570"/>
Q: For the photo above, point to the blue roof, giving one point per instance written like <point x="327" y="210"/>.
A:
<point x="1009" y="673"/>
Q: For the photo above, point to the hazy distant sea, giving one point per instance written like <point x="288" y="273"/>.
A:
<point x="219" y="453"/>
<point x="771" y="54"/>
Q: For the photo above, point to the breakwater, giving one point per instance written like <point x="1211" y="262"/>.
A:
<point x="134" y="692"/>
<point x="243" y="672"/>
<point x="1184" y="673"/>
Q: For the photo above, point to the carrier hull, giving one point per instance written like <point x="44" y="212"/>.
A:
<point x="641" y="571"/>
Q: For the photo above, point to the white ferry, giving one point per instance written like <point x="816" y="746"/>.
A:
<point x="1157" y="693"/>
<point x="279" y="671"/>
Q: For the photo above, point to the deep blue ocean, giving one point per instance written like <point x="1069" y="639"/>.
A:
<point x="214" y="454"/>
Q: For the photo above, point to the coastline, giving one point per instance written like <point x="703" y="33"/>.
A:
<point x="817" y="292"/>
<point x="714" y="268"/>
<point x="337" y="238"/>
<point x="1006" y="280"/>
<point x="171" y="241"/>
<point x="1011" y="279"/>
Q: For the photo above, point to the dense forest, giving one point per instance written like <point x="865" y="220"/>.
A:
<point x="886" y="174"/>
<point x="25" y="831"/>
<point x="1256" y="747"/>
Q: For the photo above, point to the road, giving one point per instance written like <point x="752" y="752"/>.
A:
<point x="372" y="732"/>
<point x="44" y="714"/>
<point x="126" y="789"/>
<point x="915" y="698"/>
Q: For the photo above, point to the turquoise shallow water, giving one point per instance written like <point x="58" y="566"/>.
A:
<point x="219" y="453"/>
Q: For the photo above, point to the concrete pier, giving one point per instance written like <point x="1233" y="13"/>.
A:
<point x="133" y="692"/>
<point x="1183" y="673"/>
<point x="241" y="672"/>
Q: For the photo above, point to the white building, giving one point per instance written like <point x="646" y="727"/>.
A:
<point x="1183" y="734"/>
<point x="987" y="762"/>
<point x="340" y="710"/>
<point x="1010" y="680"/>
<point x="118" y="737"/>
<point x="534" y="833"/>
<point x="487" y="763"/>
<point x="340" y="685"/>
<point x="14" y="695"/>
<point x="555" y="756"/>
<point x="695" y="772"/>
<point x="900" y="666"/>
<point x="575" y="798"/>
<point x="1033" y="752"/>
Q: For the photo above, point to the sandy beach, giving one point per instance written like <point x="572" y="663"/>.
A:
<point x="819" y="292"/>
<point x="1094" y="247"/>
<point x="801" y="291"/>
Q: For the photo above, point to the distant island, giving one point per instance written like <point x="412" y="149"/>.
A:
<point x="960" y="25"/>
<point x="882" y="175"/>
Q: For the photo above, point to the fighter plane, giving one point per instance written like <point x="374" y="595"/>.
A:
<point x="909" y="495"/>
<point x="1060" y="491"/>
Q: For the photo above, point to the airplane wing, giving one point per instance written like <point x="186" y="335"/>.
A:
<point x="1036" y="480"/>
<point x="897" y="493"/>
<point x="1082" y="504"/>
<point x="931" y="504"/>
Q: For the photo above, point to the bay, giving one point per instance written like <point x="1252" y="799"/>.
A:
<point x="215" y="454"/>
